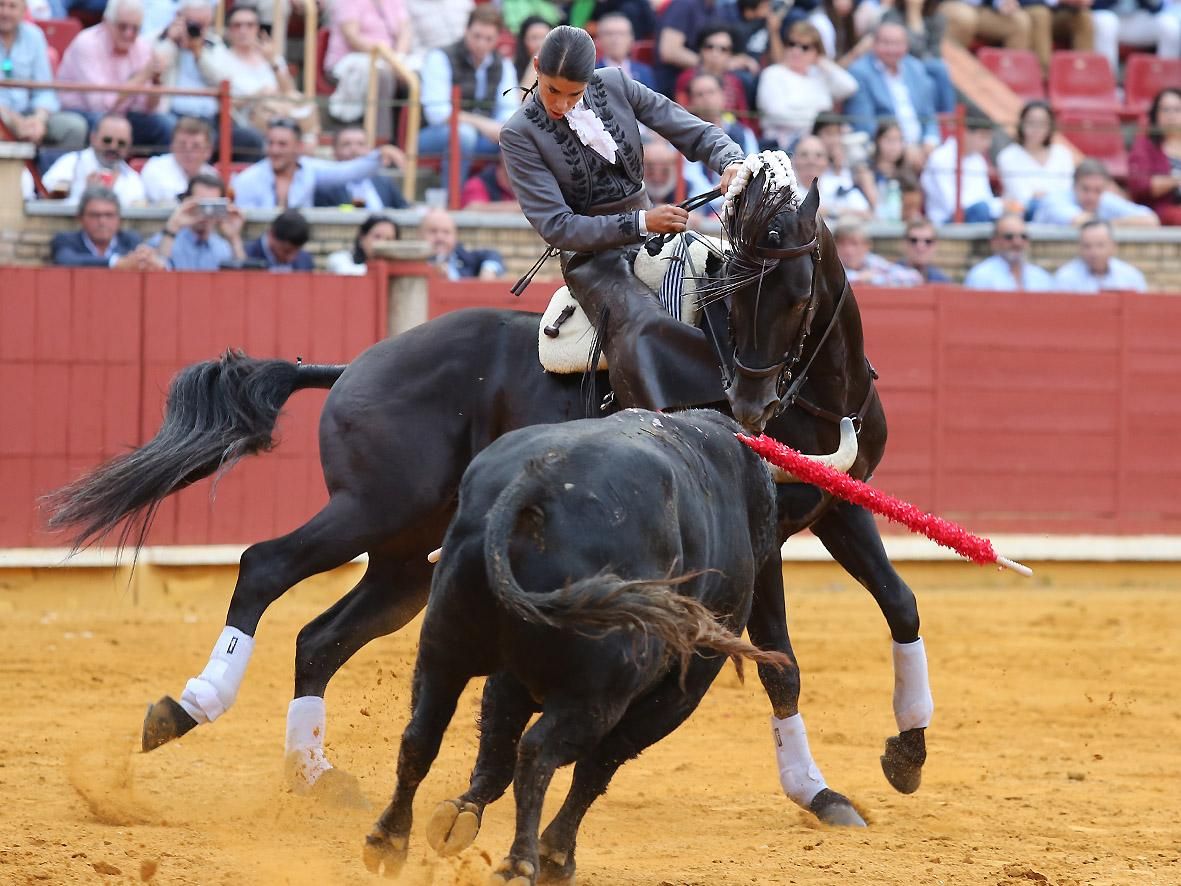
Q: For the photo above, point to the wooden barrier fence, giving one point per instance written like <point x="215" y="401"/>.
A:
<point x="1009" y="412"/>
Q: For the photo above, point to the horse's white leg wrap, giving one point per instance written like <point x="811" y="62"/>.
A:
<point x="798" y="772"/>
<point x="306" y="759"/>
<point x="913" y="705"/>
<point x="208" y="696"/>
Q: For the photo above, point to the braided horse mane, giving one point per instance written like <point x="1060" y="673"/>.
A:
<point x="765" y="187"/>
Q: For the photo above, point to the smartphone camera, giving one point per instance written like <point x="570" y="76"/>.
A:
<point x="194" y="30"/>
<point x="214" y="207"/>
<point x="264" y="28"/>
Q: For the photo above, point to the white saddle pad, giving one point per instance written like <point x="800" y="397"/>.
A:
<point x="665" y="274"/>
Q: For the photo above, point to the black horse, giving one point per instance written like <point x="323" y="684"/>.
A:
<point x="405" y="418"/>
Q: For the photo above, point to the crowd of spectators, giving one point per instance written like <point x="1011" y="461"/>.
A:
<point x="855" y="90"/>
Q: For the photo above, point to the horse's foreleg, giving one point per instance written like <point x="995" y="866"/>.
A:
<point x="851" y="536"/>
<point x="389" y="595"/>
<point x="799" y="775"/>
<point x="267" y="570"/>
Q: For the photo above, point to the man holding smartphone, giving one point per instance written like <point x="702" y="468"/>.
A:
<point x="204" y="231"/>
<point x="181" y="47"/>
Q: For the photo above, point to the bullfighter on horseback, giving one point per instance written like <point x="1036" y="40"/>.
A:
<point x="576" y="161"/>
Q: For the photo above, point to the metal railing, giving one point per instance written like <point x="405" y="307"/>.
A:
<point x="413" y="108"/>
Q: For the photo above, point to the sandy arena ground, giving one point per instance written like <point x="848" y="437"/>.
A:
<point x="1055" y="750"/>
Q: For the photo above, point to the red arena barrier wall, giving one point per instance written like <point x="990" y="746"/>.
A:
<point x="85" y="361"/>
<point x="1007" y="412"/>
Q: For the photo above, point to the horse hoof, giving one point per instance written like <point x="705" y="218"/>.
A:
<point x="835" y="809"/>
<point x="557" y="868"/>
<point x="513" y="873"/>
<point x="164" y="721"/>
<point x="385" y="854"/>
<point x="902" y="762"/>
<point x="453" y="826"/>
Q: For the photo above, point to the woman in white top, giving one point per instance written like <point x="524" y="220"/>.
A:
<point x="1034" y="165"/>
<point x="354" y="262"/>
<point x="802" y="85"/>
<point x="260" y="83"/>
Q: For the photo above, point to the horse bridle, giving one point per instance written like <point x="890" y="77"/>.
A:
<point x="792" y="355"/>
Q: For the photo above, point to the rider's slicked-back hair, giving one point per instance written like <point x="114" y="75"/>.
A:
<point x="568" y="53"/>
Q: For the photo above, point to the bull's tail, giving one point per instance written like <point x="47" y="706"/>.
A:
<point x="606" y="602"/>
<point x="217" y="412"/>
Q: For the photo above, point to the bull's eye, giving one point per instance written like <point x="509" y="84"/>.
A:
<point x="773" y="236"/>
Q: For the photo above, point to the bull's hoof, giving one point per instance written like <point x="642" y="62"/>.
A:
<point x="164" y="721"/>
<point x="902" y="762"/>
<point x="513" y="873"/>
<point x="557" y="868"/>
<point x="385" y="853"/>
<point x="835" y="809"/>
<point x="453" y="826"/>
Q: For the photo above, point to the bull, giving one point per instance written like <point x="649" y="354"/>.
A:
<point x="601" y="571"/>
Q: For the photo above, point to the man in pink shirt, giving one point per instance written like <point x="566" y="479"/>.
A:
<point x="112" y="52"/>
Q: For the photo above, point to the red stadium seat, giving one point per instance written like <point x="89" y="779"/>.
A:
<point x="323" y="84"/>
<point x="507" y="44"/>
<point x="59" y="33"/>
<point x="1082" y="80"/>
<point x="644" y="51"/>
<point x="1098" y="135"/>
<point x="1018" y="69"/>
<point x="1145" y="76"/>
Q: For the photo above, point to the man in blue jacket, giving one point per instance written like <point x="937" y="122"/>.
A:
<point x="100" y="243"/>
<point x="894" y="85"/>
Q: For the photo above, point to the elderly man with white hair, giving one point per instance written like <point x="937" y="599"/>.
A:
<point x="113" y="52"/>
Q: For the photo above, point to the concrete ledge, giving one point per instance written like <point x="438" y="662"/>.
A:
<point x="799" y="549"/>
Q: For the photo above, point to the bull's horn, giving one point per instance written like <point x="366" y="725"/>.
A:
<point x="433" y="556"/>
<point x="841" y="460"/>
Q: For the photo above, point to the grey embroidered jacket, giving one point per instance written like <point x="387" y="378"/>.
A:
<point x="558" y="181"/>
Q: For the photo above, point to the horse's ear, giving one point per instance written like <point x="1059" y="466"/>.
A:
<point x="811" y="204"/>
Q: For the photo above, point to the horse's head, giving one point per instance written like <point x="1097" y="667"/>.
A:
<point x="771" y="274"/>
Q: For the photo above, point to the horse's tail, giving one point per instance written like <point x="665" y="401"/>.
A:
<point x="605" y="603"/>
<point x="217" y="412"/>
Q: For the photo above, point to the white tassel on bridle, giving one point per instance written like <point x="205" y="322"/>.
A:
<point x="779" y="175"/>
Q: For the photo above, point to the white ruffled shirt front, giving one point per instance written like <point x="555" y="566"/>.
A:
<point x="591" y="132"/>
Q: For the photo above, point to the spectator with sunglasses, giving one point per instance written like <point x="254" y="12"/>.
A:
<point x="918" y="249"/>
<point x="32" y="115"/>
<point x="715" y="48"/>
<point x="1008" y="269"/>
<point x="104" y="164"/>
<point x="864" y="266"/>
<point x="113" y="53"/>
<point x="679" y="38"/>
<point x="803" y="83"/>
<point x="286" y="179"/>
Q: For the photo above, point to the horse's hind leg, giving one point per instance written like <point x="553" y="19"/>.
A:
<point x="504" y="712"/>
<point x="798" y="773"/>
<point x="339" y="532"/>
<point x="437" y="686"/>
<point x="392" y="591"/>
<point x="850" y="535"/>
